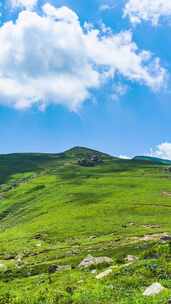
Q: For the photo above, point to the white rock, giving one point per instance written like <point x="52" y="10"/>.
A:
<point x="153" y="289"/>
<point x="38" y="245"/>
<point x="131" y="258"/>
<point x="90" y="261"/>
<point x="104" y="274"/>
<point x="93" y="271"/>
<point x="3" y="267"/>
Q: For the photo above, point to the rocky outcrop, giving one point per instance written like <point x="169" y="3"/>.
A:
<point x="90" y="161"/>
<point x="91" y="261"/>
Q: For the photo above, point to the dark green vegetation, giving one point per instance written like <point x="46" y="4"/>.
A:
<point x="155" y="160"/>
<point x="57" y="209"/>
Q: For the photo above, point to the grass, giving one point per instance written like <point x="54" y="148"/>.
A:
<point x="55" y="212"/>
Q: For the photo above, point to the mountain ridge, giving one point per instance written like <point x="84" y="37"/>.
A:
<point x="152" y="159"/>
<point x="80" y="151"/>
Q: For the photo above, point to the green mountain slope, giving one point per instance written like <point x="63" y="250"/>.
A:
<point x="153" y="160"/>
<point x="55" y="209"/>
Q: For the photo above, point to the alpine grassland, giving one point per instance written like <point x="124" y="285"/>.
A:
<point x="57" y="209"/>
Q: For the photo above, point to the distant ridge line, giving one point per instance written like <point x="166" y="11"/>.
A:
<point x="152" y="159"/>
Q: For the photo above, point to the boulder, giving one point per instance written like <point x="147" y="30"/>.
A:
<point x="131" y="258"/>
<point x="153" y="289"/>
<point x="19" y="259"/>
<point x="165" y="238"/>
<point x="55" y="268"/>
<point x="91" y="261"/>
<point x="104" y="274"/>
<point x="3" y="267"/>
<point x="52" y="269"/>
<point x="168" y="169"/>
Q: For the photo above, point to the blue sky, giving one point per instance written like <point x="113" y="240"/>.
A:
<point x="119" y="102"/>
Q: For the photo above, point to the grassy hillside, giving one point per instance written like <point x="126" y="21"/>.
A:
<point x="55" y="209"/>
<point x="155" y="160"/>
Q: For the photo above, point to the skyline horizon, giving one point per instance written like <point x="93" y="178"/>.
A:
<point x="121" y="156"/>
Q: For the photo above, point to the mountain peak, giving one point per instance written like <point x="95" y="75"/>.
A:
<point x="81" y="152"/>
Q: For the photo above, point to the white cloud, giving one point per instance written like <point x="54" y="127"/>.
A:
<point x="147" y="10"/>
<point x="28" y="4"/>
<point x="51" y="58"/>
<point x="119" y="90"/>
<point x="162" y="151"/>
<point x="106" y="7"/>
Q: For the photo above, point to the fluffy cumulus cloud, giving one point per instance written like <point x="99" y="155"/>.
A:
<point x="28" y="4"/>
<point x="162" y="151"/>
<point x="147" y="10"/>
<point x="52" y="58"/>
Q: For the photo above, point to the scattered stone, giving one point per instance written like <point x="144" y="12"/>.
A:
<point x="110" y="286"/>
<point x="131" y="258"/>
<point x="146" y="238"/>
<point x="75" y="250"/>
<point x="38" y="245"/>
<point x="153" y="226"/>
<point x="3" y="267"/>
<point x="168" y="169"/>
<point x="165" y="238"/>
<point x="55" y="268"/>
<point x="131" y="224"/>
<point x="52" y="268"/>
<point x="90" y="161"/>
<point x="152" y="256"/>
<point x="64" y="267"/>
<point x="93" y="271"/>
<point x="104" y="274"/>
<point x="166" y="194"/>
<point x="9" y="257"/>
<point x="150" y="237"/>
<point x="91" y="261"/>
<point x="153" y="289"/>
<point x="92" y="237"/>
<point x="19" y="259"/>
<point x="126" y="265"/>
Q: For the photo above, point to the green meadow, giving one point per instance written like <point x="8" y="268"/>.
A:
<point x="55" y="209"/>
